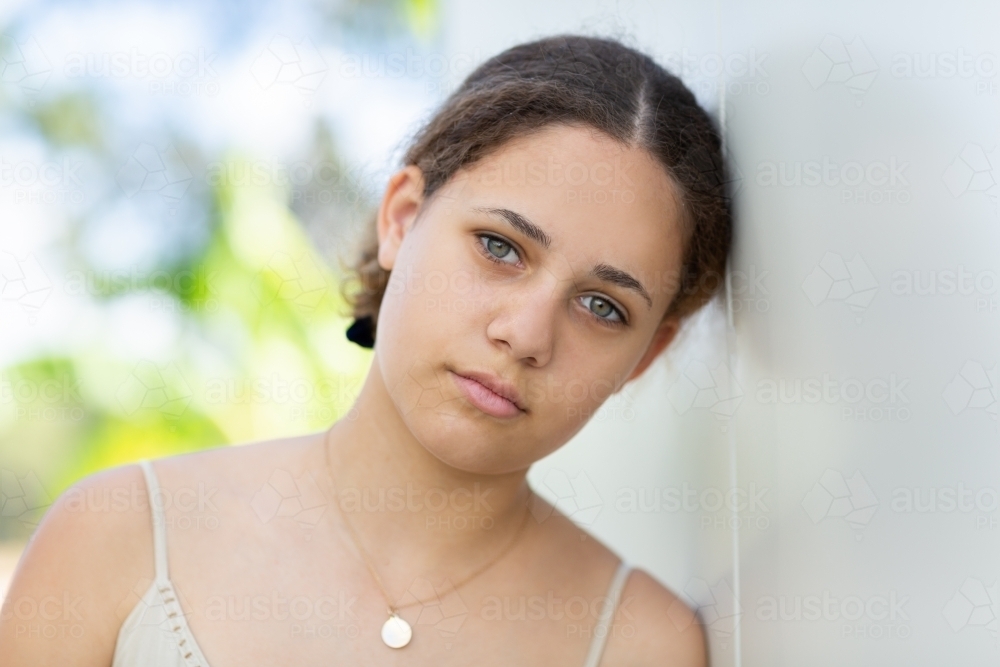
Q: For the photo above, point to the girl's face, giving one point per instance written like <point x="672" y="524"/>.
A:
<point x="549" y="265"/>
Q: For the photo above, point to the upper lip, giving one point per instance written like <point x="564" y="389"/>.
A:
<point x="497" y="385"/>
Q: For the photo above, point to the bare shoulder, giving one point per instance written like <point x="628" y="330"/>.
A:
<point x="229" y="466"/>
<point x="75" y="581"/>
<point x="91" y="558"/>
<point x="654" y="627"/>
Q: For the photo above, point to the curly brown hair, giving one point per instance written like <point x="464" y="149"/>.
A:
<point x="592" y="81"/>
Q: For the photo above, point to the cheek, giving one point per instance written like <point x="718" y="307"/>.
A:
<point x="414" y="294"/>
<point x="423" y="315"/>
<point x="569" y="396"/>
<point x="450" y="296"/>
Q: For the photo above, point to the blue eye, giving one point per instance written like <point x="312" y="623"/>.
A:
<point x="496" y="248"/>
<point x="603" y="308"/>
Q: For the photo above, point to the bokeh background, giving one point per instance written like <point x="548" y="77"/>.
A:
<point x="813" y="464"/>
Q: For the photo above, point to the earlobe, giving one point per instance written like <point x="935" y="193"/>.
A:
<point x="397" y="212"/>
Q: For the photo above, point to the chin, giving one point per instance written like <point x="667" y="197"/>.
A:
<point x="466" y="447"/>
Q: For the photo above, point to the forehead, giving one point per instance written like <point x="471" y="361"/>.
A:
<point x="598" y="200"/>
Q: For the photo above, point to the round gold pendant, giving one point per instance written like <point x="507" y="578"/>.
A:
<point x="396" y="632"/>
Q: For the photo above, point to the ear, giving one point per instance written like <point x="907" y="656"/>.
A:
<point x="664" y="334"/>
<point x="396" y="214"/>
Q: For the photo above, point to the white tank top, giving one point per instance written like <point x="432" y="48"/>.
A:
<point x="156" y="634"/>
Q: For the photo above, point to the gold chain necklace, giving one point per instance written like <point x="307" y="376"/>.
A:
<point x="396" y="632"/>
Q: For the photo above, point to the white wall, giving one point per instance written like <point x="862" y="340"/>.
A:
<point x="819" y="295"/>
<point x="937" y="217"/>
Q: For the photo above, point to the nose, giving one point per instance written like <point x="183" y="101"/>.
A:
<point x="525" y="319"/>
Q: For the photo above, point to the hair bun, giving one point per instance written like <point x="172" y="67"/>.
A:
<point x="362" y="332"/>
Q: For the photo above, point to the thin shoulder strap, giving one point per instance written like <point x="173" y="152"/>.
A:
<point x="159" y="522"/>
<point x="607" y="614"/>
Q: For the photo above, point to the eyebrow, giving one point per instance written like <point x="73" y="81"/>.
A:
<point x="520" y="223"/>
<point x="602" y="271"/>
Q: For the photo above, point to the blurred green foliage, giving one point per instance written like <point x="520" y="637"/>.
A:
<point x="259" y="349"/>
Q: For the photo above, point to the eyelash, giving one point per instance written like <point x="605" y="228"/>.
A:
<point x="614" y="324"/>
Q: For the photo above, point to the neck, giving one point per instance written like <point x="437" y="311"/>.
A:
<point x="413" y="514"/>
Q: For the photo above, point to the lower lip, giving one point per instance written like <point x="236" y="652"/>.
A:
<point x="484" y="399"/>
